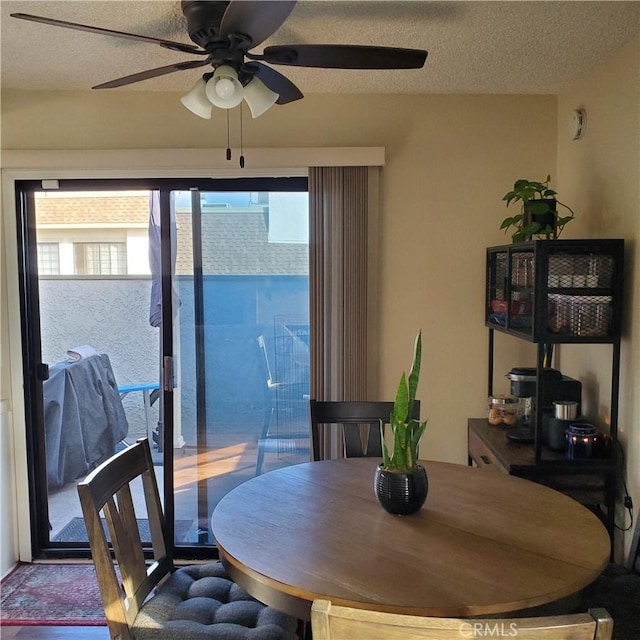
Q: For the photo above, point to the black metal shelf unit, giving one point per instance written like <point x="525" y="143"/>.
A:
<point x="559" y="291"/>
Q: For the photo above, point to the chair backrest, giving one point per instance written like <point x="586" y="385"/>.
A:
<point x="263" y="348"/>
<point x="349" y="415"/>
<point x="106" y="493"/>
<point x="331" y="622"/>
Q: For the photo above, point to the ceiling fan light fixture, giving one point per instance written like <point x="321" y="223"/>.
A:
<point x="196" y="100"/>
<point x="224" y="90"/>
<point x="259" y="97"/>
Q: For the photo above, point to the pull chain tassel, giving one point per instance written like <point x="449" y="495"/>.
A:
<point x="241" y="148"/>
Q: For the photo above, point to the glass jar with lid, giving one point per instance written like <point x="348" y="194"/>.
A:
<point x="580" y="440"/>
<point x="503" y="409"/>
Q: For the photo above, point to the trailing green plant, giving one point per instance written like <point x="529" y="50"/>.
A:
<point x="406" y="431"/>
<point x="537" y="199"/>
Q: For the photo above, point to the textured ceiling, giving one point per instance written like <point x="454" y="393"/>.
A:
<point x="474" y="47"/>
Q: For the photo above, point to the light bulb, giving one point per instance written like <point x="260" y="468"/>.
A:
<point x="225" y="88"/>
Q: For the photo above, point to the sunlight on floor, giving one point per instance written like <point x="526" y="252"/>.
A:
<point x="212" y="463"/>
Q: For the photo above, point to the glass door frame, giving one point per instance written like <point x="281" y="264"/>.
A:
<point x="34" y="371"/>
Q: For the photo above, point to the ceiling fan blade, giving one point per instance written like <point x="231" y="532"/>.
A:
<point x="286" y="90"/>
<point x="151" y="73"/>
<point x="343" y="56"/>
<point x="178" y="46"/>
<point x="257" y="19"/>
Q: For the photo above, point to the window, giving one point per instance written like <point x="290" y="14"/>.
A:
<point x="100" y="258"/>
<point x="238" y="299"/>
<point x="48" y="259"/>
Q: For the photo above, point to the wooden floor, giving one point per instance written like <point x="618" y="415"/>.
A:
<point x="54" y="633"/>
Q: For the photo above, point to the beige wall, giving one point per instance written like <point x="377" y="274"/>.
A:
<point x="449" y="160"/>
<point x="8" y="501"/>
<point x="599" y="176"/>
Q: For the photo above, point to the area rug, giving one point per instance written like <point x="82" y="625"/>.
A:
<point x="51" y="595"/>
<point x="76" y="531"/>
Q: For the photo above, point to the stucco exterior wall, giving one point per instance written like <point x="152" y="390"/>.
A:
<point x="112" y="316"/>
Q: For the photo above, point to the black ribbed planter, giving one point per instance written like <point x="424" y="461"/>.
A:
<point x="401" y="493"/>
<point x="541" y="212"/>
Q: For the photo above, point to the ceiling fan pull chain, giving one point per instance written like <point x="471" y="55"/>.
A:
<point x="241" y="147"/>
<point x="228" y="145"/>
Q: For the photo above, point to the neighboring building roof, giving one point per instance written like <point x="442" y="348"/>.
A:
<point x="235" y="242"/>
<point x="93" y="210"/>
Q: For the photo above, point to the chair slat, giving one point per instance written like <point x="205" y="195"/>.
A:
<point x="125" y="537"/>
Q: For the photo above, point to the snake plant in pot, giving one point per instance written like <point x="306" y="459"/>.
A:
<point x="401" y="482"/>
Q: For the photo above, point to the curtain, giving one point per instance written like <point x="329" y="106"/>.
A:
<point x="338" y="235"/>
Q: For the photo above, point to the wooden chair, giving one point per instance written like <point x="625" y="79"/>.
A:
<point x="198" y="601"/>
<point x="331" y="622"/>
<point x="349" y="415"/>
<point x="618" y="590"/>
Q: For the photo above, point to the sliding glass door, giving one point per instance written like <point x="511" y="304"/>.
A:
<point x="240" y="342"/>
<point x="173" y="310"/>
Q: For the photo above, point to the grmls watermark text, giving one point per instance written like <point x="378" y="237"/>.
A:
<point x="487" y="629"/>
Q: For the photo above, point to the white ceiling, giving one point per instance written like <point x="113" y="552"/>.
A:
<point x="474" y="46"/>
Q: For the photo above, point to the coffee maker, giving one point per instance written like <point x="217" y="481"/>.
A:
<point x="555" y="388"/>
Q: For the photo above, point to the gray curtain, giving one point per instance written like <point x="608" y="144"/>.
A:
<point x="338" y="234"/>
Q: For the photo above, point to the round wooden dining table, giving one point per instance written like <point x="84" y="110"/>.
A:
<point x="483" y="543"/>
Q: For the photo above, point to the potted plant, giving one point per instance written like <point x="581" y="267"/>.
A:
<point x="401" y="482"/>
<point x="538" y="215"/>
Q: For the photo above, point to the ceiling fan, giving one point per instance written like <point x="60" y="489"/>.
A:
<point x="224" y="33"/>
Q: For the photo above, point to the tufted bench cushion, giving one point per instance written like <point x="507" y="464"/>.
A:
<point x="201" y="602"/>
